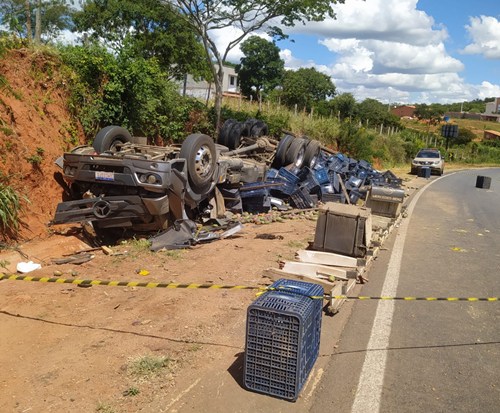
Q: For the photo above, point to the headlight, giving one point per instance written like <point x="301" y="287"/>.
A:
<point x="151" y="179"/>
<point x="436" y="162"/>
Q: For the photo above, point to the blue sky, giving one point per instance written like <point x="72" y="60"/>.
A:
<point x="403" y="51"/>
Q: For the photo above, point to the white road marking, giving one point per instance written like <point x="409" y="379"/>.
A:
<point x="371" y="380"/>
<point x="317" y="379"/>
<point x="180" y="396"/>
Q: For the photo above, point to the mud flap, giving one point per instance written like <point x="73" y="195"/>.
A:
<point x="180" y="235"/>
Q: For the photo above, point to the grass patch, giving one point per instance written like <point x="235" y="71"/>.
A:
<point x="104" y="408"/>
<point x="146" y="367"/>
<point x="297" y="244"/>
<point x="10" y="208"/>
<point x="139" y="245"/>
<point x="174" y="254"/>
<point x="131" y="391"/>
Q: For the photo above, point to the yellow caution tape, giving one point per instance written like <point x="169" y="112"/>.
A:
<point x="228" y="287"/>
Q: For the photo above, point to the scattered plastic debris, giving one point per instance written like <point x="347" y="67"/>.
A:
<point x="25" y="267"/>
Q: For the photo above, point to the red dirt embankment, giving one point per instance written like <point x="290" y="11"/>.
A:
<point x="36" y="127"/>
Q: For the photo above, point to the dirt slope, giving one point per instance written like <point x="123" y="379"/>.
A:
<point x="35" y="129"/>
<point x="66" y="348"/>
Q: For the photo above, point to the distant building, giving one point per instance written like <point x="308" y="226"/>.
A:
<point x="463" y="115"/>
<point x="492" y="112"/>
<point x="204" y="90"/>
<point x="405" y="111"/>
<point x="491" y="135"/>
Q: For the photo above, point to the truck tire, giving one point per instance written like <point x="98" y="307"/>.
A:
<point x="311" y="155"/>
<point x="234" y="135"/>
<point x="283" y="145"/>
<point x="224" y="131"/>
<point x="200" y="154"/>
<point x="108" y="137"/>
<point x="295" y="152"/>
<point x="255" y="128"/>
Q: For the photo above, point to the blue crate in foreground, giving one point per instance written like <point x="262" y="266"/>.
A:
<point x="283" y="337"/>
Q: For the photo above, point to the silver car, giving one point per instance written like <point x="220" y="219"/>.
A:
<point x="430" y="158"/>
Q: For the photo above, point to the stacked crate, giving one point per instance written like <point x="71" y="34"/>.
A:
<point x="283" y="336"/>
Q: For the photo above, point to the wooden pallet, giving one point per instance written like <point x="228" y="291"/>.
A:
<point x="338" y="274"/>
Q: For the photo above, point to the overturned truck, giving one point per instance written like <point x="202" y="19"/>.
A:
<point x="120" y="182"/>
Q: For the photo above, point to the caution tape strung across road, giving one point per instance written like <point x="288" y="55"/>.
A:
<point x="229" y="287"/>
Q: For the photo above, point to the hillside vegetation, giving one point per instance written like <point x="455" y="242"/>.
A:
<point x="52" y="99"/>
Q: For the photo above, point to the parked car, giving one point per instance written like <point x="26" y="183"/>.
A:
<point x="430" y="158"/>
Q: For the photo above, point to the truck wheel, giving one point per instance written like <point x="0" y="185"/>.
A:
<point x="224" y="131"/>
<point x="311" y="155"/>
<point x="255" y="128"/>
<point x="234" y="135"/>
<point x="295" y="153"/>
<point x="283" y="145"/>
<point x="108" y="138"/>
<point x="199" y="152"/>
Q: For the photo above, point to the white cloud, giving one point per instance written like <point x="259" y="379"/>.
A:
<point x="485" y="34"/>
<point x="389" y="20"/>
<point x="389" y="50"/>
<point x="222" y="37"/>
<point x="487" y="90"/>
<point x="292" y="63"/>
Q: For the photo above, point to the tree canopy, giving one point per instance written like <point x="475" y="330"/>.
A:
<point x="261" y="69"/>
<point x="36" y="19"/>
<point x="343" y="106"/>
<point x="208" y="17"/>
<point x="146" y="28"/>
<point x="305" y="87"/>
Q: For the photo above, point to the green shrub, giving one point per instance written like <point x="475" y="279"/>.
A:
<point x="10" y="208"/>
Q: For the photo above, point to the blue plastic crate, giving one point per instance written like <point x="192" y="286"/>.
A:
<point x="289" y="176"/>
<point x="333" y="198"/>
<point x="322" y="176"/>
<point x="272" y="173"/>
<point x="257" y="204"/>
<point x="310" y="184"/>
<point x="285" y="187"/>
<point x="249" y="192"/>
<point x="301" y="288"/>
<point x="302" y="199"/>
<point x="282" y="341"/>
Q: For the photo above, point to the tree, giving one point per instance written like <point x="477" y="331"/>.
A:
<point x="146" y="28"/>
<point x="261" y="69"/>
<point x="343" y="105"/>
<point x="305" y="87"/>
<point x="464" y="137"/>
<point x="206" y="17"/>
<point x="432" y="113"/>
<point x="376" y="113"/>
<point x="47" y="17"/>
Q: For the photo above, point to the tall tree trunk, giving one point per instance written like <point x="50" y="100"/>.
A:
<point x="218" y="95"/>
<point x="29" y="34"/>
<point x="38" y="23"/>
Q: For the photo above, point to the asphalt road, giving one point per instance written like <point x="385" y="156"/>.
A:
<point x="427" y="356"/>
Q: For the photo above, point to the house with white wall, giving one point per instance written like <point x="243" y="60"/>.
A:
<point x="206" y="90"/>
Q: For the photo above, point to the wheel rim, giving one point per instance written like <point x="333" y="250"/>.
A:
<point x="300" y="158"/>
<point x="115" y="144"/>
<point x="314" y="161"/>
<point x="203" y="161"/>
